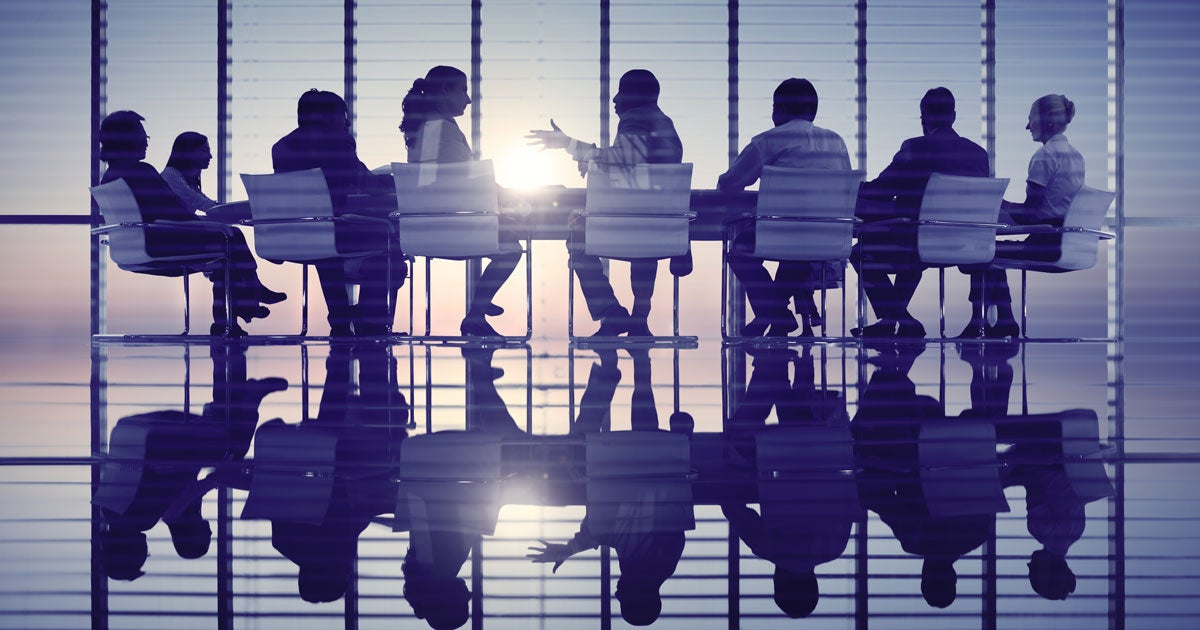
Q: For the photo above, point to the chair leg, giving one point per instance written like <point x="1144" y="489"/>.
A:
<point x="843" y="298"/>
<point x="942" y="302"/>
<point x="187" y="309"/>
<point x="529" y="288"/>
<point x="675" y="309"/>
<point x="824" y="314"/>
<point x="303" y="299"/>
<point x="570" y="302"/>
<point x="1024" y="311"/>
<point x="428" y="294"/>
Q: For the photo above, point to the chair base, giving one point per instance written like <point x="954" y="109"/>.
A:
<point x="673" y="341"/>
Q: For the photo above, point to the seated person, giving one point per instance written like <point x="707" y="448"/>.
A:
<point x="794" y="142"/>
<point x="190" y="154"/>
<point x="1056" y="173"/>
<point x="123" y="143"/>
<point x="897" y="193"/>
<point x="322" y="140"/>
<point x="645" y="135"/>
<point x="431" y="135"/>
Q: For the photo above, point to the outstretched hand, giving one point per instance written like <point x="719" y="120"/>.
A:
<point x="552" y="138"/>
<point x="550" y="552"/>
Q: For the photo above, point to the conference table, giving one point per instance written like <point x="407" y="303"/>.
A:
<point x="544" y="210"/>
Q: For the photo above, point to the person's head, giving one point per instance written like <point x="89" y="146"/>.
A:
<point x="442" y="92"/>
<point x="937" y="109"/>
<point x="190" y="153"/>
<point x="321" y="110"/>
<point x="1050" y="576"/>
<point x="794" y="98"/>
<point x="1050" y="115"/>
<point x="443" y="602"/>
<point x="637" y="88"/>
<point x="796" y="594"/>
<point x="939" y="582"/>
<point x="320" y="582"/>
<point x="122" y="553"/>
<point x="122" y="137"/>
<point x="641" y="602"/>
<point x="191" y="537"/>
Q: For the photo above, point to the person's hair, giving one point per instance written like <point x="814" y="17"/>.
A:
<point x="797" y="98"/>
<point x="121" y="136"/>
<point x="796" y="594"/>
<point x="425" y="98"/>
<point x="444" y="603"/>
<point x="319" y="108"/>
<point x="184" y="156"/>
<point x="939" y="582"/>
<point x="1050" y="576"/>
<point x="319" y="583"/>
<point x="191" y="537"/>
<point x="123" y="551"/>
<point x="641" y="602"/>
<point x="937" y="107"/>
<point x="640" y="85"/>
<point x="1056" y="112"/>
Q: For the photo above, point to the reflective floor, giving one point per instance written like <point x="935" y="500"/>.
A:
<point x="407" y="486"/>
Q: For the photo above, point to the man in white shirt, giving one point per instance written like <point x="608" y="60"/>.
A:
<point x="794" y="142"/>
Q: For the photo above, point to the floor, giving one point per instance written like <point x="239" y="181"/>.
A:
<point x="367" y="485"/>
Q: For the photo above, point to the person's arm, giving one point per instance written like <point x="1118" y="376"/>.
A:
<point x="1029" y="211"/>
<point x="745" y="170"/>
<point x="192" y="199"/>
<point x="559" y="552"/>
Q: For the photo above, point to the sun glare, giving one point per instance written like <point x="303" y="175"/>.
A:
<point x="526" y="167"/>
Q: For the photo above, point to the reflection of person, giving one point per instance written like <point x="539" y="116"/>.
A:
<point x="897" y="193"/>
<point x="794" y="142"/>
<point x="1056" y="173"/>
<point x="123" y="143"/>
<point x="645" y="135"/>
<point x="431" y="135"/>
<point x="367" y="428"/>
<point x="190" y="154"/>
<point x="322" y="139"/>
<point x="643" y="520"/>
<point x="171" y="447"/>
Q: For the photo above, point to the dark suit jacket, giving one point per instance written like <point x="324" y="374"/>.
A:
<point x="157" y="202"/>
<point x="334" y="152"/>
<point x="903" y="181"/>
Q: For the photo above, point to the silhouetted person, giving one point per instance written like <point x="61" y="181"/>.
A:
<point x="897" y="193"/>
<point x="1056" y="173"/>
<point x="190" y="154"/>
<point x="794" y="142"/>
<point x="168" y="448"/>
<point x="645" y="135"/>
<point x="367" y="428"/>
<point x="431" y="135"/>
<point x="887" y="430"/>
<point x="322" y="139"/>
<point x="123" y="143"/>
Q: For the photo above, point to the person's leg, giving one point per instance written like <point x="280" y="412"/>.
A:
<point x="642" y="274"/>
<point x="375" y="312"/>
<point x="797" y="280"/>
<point x="597" y="291"/>
<point x="879" y="290"/>
<point x="332" y="277"/>
<point x="996" y="293"/>
<point x="903" y="289"/>
<point x="498" y="270"/>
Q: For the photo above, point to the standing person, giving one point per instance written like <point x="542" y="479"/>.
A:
<point x="794" y="142"/>
<point x="1056" y="173"/>
<point x="645" y="135"/>
<point x="123" y="143"/>
<point x="897" y="192"/>
<point x="431" y="135"/>
<point x="322" y="139"/>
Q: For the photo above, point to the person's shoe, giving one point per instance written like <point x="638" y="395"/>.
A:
<point x="218" y="330"/>
<point x="782" y="325"/>
<point x="1002" y="330"/>
<point x="341" y="331"/>
<point x="910" y="329"/>
<point x="492" y="310"/>
<point x="638" y="328"/>
<point x="756" y="328"/>
<point x="267" y="296"/>
<point x="971" y="331"/>
<point x="879" y="330"/>
<point x="256" y="312"/>
<point x="477" y="327"/>
<point x="614" y="324"/>
<point x="370" y="330"/>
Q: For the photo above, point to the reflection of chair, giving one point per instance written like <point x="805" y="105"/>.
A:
<point x="959" y="470"/>
<point x="451" y="211"/>
<point x="636" y="212"/>
<point x="127" y="231"/>
<point x="802" y="215"/>
<point x="294" y="221"/>
<point x="956" y="225"/>
<point x="1080" y="245"/>
<point x="293" y="473"/>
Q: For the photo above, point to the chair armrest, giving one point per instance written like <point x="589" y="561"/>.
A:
<point x="456" y="213"/>
<point x="1041" y="228"/>
<point x="168" y="226"/>
<point x="745" y="217"/>
<point x="690" y="216"/>
<point x="364" y="219"/>
<point x="886" y="223"/>
<point x="970" y="224"/>
<point x="791" y="219"/>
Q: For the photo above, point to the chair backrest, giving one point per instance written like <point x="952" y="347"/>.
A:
<point x="638" y="210"/>
<point x="126" y="246"/>
<point x="805" y="194"/>
<point x="286" y="197"/>
<point x="958" y="468"/>
<point x="447" y="210"/>
<point x="960" y="199"/>
<point x="1087" y="211"/>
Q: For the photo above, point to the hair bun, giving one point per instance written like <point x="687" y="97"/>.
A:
<point x="420" y="85"/>
<point x="1068" y="108"/>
